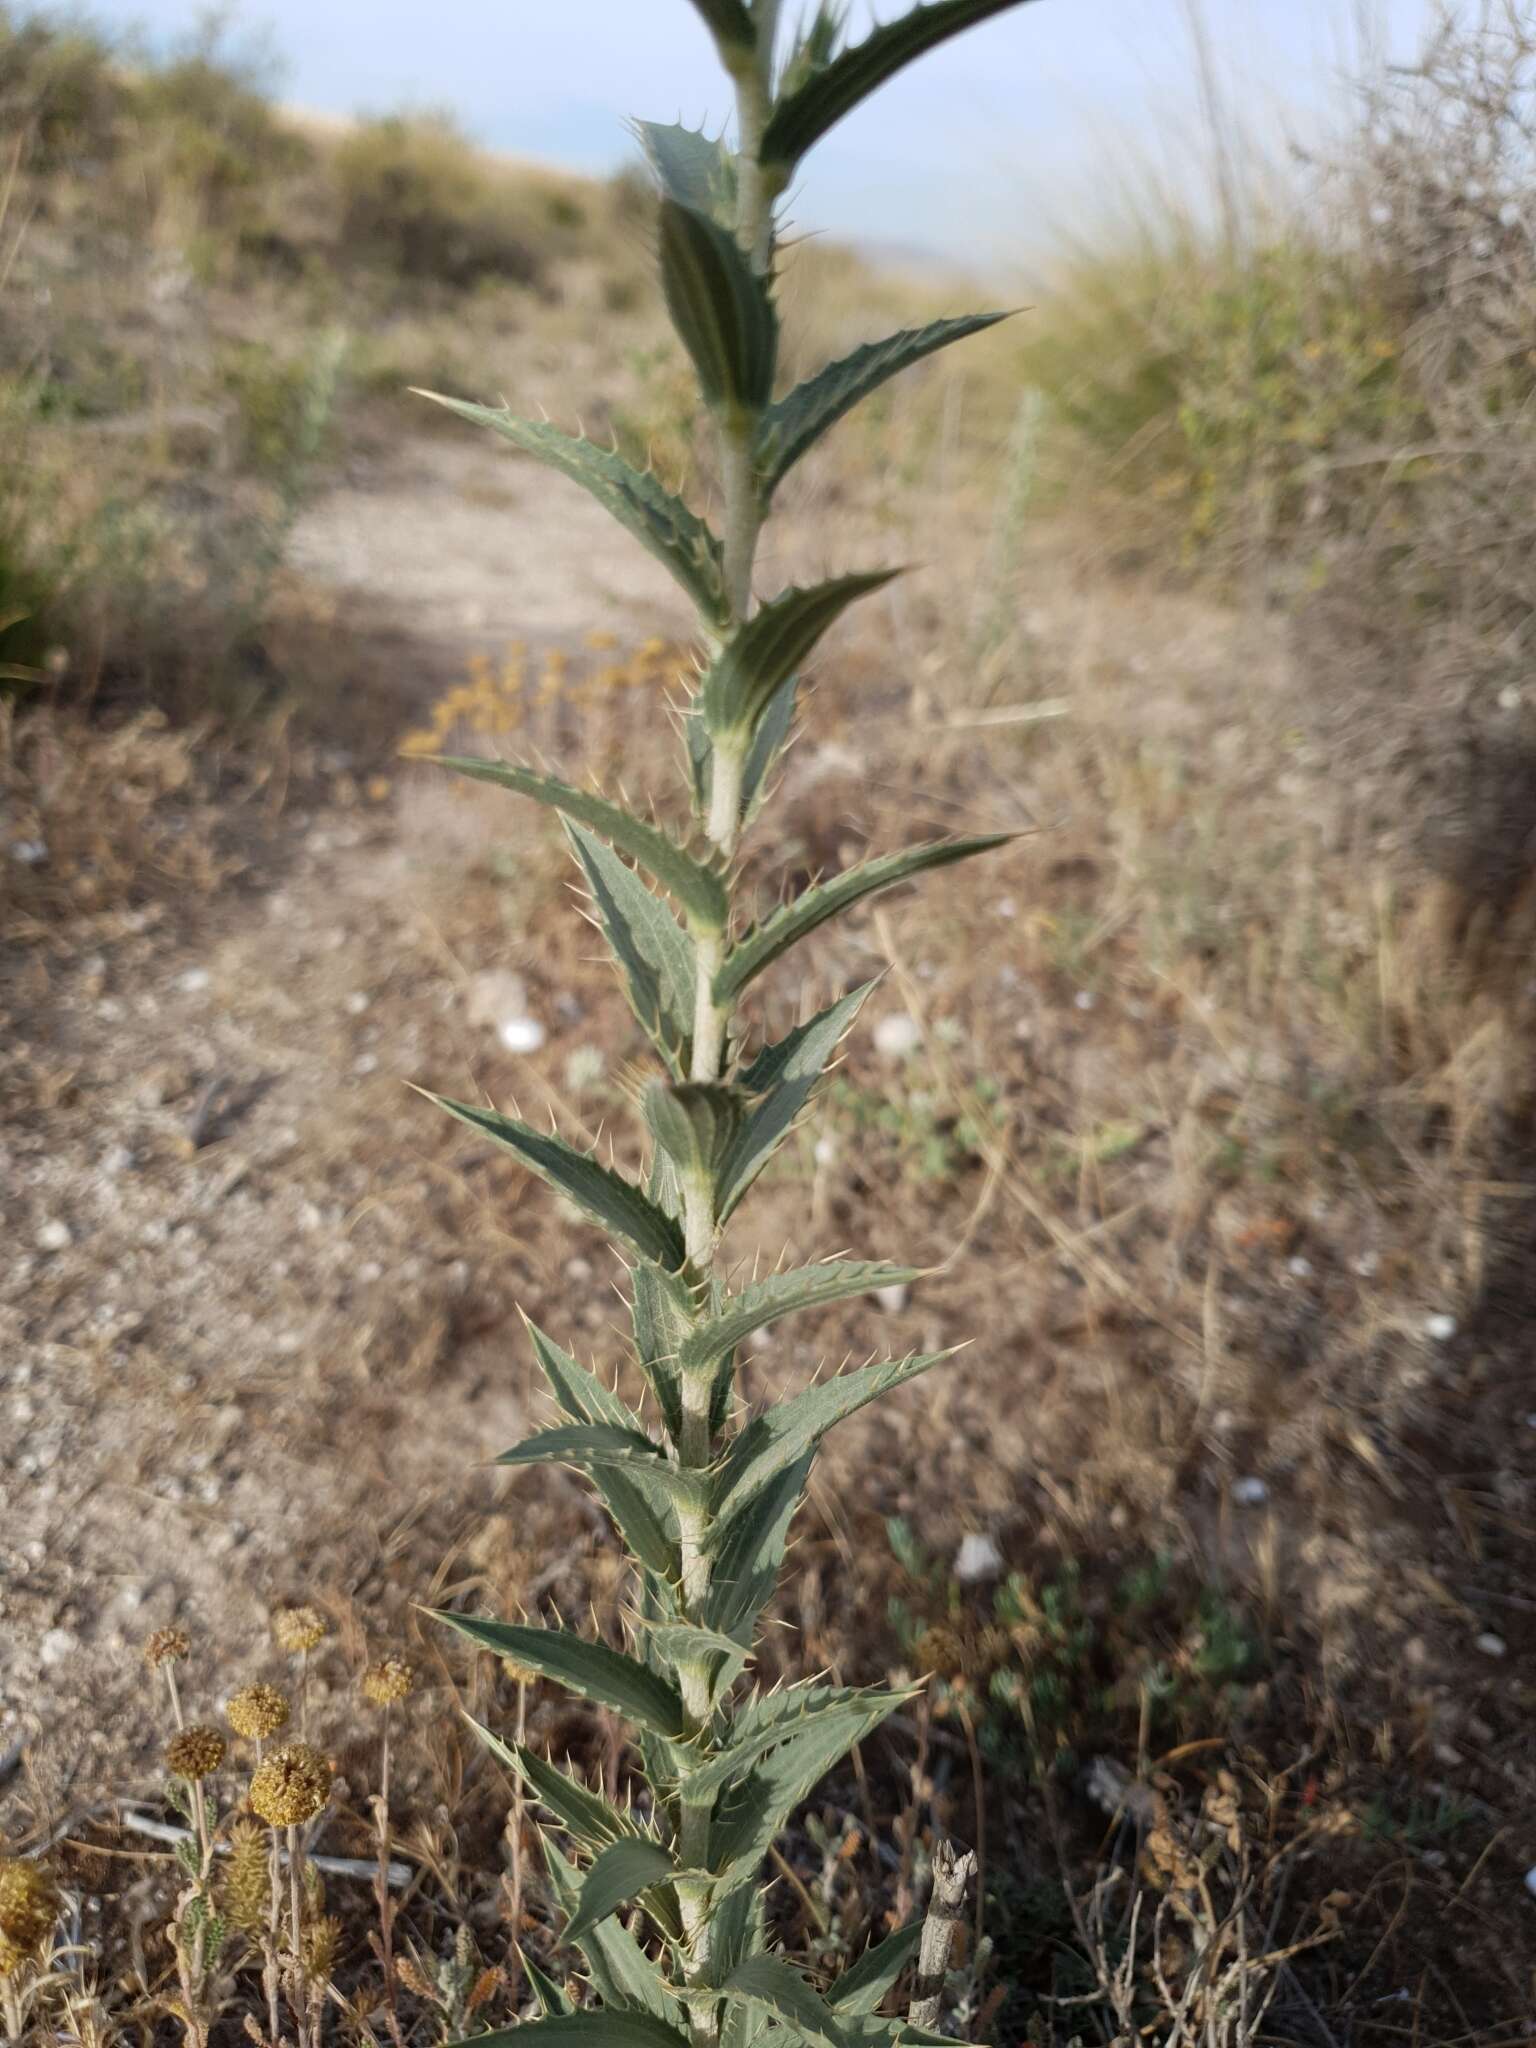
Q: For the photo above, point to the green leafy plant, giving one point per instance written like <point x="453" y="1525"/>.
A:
<point x="705" y="1503"/>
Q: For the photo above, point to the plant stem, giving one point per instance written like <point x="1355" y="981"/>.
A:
<point x="269" y="1974"/>
<point x="381" y="1891"/>
<point x="296" y="1939"/>
<point x="742" y="526"/>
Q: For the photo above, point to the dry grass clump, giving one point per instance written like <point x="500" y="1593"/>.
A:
<point x="421" y="204"/>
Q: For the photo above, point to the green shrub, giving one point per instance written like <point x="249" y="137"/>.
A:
<point x="61" y="91"/>
<point x="1233" y="387"/>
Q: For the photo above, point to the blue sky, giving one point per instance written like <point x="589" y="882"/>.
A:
<point x="989" y="147"/>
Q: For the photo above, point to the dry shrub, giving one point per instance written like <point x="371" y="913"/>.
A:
<point x="419" y="201"/>
<point x="98" y="825"/>
<point x="1419" y="636"/>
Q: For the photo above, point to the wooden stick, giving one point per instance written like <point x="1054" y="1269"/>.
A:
<point x="952" y="1876"/>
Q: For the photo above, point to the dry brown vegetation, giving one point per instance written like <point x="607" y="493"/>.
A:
<point x="1209" y="1105"/>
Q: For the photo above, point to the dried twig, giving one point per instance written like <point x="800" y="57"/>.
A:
<point x="952" y="1875"/>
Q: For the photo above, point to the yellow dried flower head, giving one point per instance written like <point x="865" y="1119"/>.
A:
<point x="257" y="1711"/>
<point x="11" y="1958"/>
<point x="195" y="1752"/>
<point x="388" y="1680"/>
<point x="29" y="1905"/>
<point x="291" y="1786"/>
<point x="244" y="1889"/>
<point x="520" y="1674"/>
<point x="167" y="1646"/>
<point x="296" y="1629"/>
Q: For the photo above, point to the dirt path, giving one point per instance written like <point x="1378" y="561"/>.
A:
<point x="226" y="1286"/>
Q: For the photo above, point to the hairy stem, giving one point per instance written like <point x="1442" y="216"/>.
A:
<point x="742" y="527"/>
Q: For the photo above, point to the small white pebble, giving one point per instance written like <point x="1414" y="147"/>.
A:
<point x="116" y="1160"/>
<point x="760" y="1341"/>
<point x="1085" y="999"/>
<point x="1250" y="1491"/>
<point x="357" y="1002"/>
<point x="193" y="980"/>
<point x="55" y="1235"/>
<point x="56" y="1646"/>
<point x="1440" y="1329"/>
<point x="1368" y="1265"/>
<point x="826" y="1151"/>
<point x="30" y="852"/>
<point x="1492" y="1645"/>
<point x="521" y="1034"/>
<point x="1510" y="698"/>
<point x="1006" y="907"/>
<point x="977" y="1558"/>
<point x="366" y="1063"/>
<point x="1530" y="1880"/>
<point x="1299" y="1268"/>
<point x="893" y="1299"/>
<point x="369" y="1271"/>
<point x="897" y="1036"/>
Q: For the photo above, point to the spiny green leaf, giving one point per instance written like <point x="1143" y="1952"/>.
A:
<point x="777" y="1438"/>
<point x="802" y="117"/>
<point x="768" y="743"/>
<point x="769" y="1719"/>
<point x="721" y="309"/>
<point x="755" y="1307"/>
<point x="607" y="2026"/>
<point x="729" y="22"/>
<point x="660" y="1317"/>
<point x="747" y="1560"/>
<point x="582" y="1443"/>
<point x="783" y="1077"/>
<point x="861" y="1988"/>
<point x="580" y="1393"/>
<point x="752" y="1811"/>
<point x="640" y="1506"/>
<point x="586" y="1814"/>
<point x="740" y="1929"/>
<point x="622" y="1872"/>
<point x="654" y="952"/>
<point x="769" y="1983"/>
<point x="763" y="945"/>
<point x="551" y="1996"/>
<point x="605" y="1195"/>
<point x="661" y="522"/>
<point x="761" y="654"/>
<point x="815" y="47"/>
<point x="698" y="888"/>
<point x="694" y="1123"/>
<point x="591" y="1669"/>
<point x="622" y="1973"/>
<point x="864" y="2030"/>
<point x="695" y="169"/>
<point x="800" y="419"/>
<point x="686" y="1647"/>
<point x="598" y="1447"/>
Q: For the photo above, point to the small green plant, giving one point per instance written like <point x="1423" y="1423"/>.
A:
<point x="704" y="1502"/>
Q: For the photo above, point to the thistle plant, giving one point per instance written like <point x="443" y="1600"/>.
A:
<point x="703" y="1499"/>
